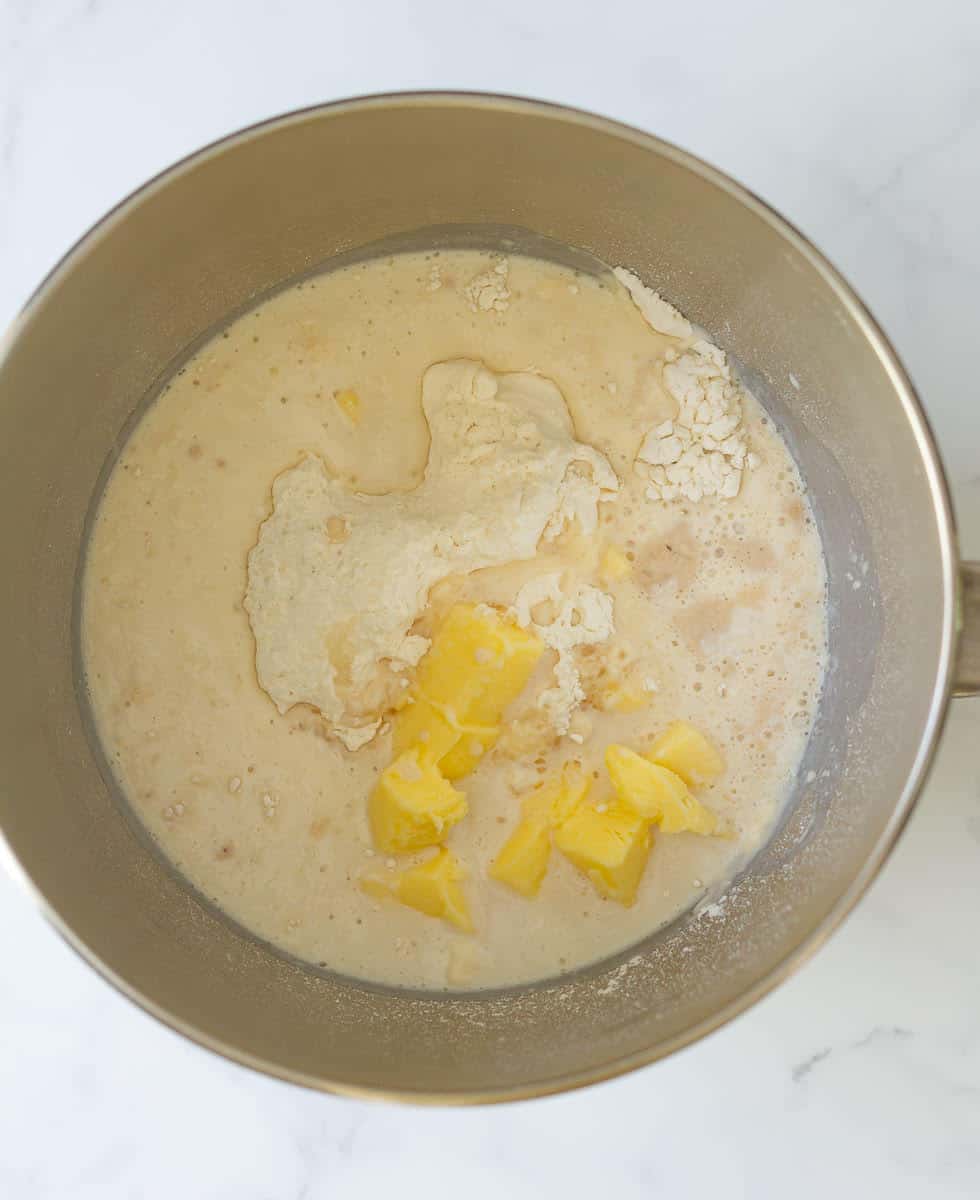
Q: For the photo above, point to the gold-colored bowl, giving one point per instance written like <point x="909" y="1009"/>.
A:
<point x="249" y="213"/>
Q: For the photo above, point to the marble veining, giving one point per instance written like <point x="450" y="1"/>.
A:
<point x="802" y="1069"/>
<point x="862" y="123"/>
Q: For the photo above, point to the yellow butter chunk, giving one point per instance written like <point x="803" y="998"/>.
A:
<point x="426" y="727"/>
<point x="610" y="847"/>
<point x="656" y="793"/>
<point x="688" y="753"/>
<point x="349" y="404"/>
<point x="615" y="565"/>
<point x="473" y="743"/>
<point x="523" y="860"/>
<point x="557" y="798"/>
<point x="432" y="888"/>
<point x="413" y="806"/>
<point x="477" y="664"/>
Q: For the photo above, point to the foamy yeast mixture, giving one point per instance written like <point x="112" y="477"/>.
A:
<point x="351" y="391"/>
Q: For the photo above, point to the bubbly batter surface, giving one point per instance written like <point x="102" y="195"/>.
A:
<point x="718" y="618"/>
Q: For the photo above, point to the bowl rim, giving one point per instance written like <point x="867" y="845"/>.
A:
<point x="942" y="506"/>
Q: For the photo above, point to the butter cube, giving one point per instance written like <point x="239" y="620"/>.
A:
<point x="431" y="888"/>
<point x="656" y="793"/>
<point x="423" y="726"/>
<point x="473" y="744"/>
<point x="477" y="664"/>
<point x="554" y="800"/>
<point x="413" y="806"/>
<point x="688" y="753"/>
<point x="610" y="847"/>
<point x="615" y="565"/>
<point x="523" y="860"/>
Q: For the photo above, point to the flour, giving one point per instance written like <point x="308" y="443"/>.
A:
<point x="581" y="617"/>
<point x="657" y="313"/>
<point x="701" y="451"/>
<point x="488" y="291"/>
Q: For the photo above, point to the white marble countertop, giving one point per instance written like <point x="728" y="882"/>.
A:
<point x="862" y="1074"/>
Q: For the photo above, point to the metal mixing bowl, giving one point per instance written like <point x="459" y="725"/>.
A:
<point x="226" y="225"/>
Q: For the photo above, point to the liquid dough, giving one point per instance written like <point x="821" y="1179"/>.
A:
<point x="721" y="619"/>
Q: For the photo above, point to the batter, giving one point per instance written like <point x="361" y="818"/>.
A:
<point x="634" y="509"/>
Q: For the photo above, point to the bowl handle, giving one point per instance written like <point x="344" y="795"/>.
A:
<point x="966" y="681"/>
